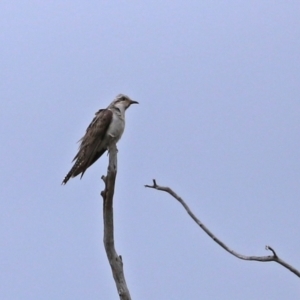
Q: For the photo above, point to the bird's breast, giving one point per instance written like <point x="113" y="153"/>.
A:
<point x="116" y="127"/>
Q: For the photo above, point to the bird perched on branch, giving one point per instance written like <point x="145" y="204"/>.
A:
<point x="107" y="127"/>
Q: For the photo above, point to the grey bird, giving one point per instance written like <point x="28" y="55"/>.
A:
<point x="107" y="127"/>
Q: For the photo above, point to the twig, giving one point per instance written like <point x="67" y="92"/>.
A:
<point x="269" y="258"/>
<point x="107" y="194"/>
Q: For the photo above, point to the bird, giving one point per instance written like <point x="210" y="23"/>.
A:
<point x="106" y="128"/>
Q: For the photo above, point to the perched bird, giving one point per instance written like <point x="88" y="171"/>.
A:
<point x="107" y="127"/>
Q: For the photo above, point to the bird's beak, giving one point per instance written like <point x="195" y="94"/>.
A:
<point x="133" y="102"/>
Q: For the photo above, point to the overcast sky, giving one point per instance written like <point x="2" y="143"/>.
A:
<point x="218" y="121"/>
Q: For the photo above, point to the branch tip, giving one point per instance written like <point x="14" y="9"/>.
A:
<point x="154" y="186"/>
<point x="272" y="250"/>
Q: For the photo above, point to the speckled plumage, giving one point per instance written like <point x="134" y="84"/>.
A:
<point x="107" y="127"/>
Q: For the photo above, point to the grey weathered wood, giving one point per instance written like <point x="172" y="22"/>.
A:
<point x="107" y="194"/>
<point x="269" y="258"/>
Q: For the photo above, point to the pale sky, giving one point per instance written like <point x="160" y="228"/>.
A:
<point x="218" y="121"/>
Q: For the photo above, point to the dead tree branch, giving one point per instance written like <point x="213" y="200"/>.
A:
<point x="107" y="194"/>
<point x="269" y="258"/>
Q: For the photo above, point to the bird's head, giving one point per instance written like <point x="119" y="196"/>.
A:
<point x="122" y="102"/>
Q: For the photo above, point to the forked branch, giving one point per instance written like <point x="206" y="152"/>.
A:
<point x="269" y="258"/>
<point x="107" y="194"/>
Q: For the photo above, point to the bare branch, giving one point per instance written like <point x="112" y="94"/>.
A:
<point x="273" y="257"/>
<point x="107" y="194"/>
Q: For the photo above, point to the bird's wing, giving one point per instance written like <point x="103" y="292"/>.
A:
<point x="93" y="138"/>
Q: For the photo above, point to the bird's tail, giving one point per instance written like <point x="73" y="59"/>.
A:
<point x="73" y="172"/>
<point x="67" y="177"/>
<point x="81" y="165"/>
